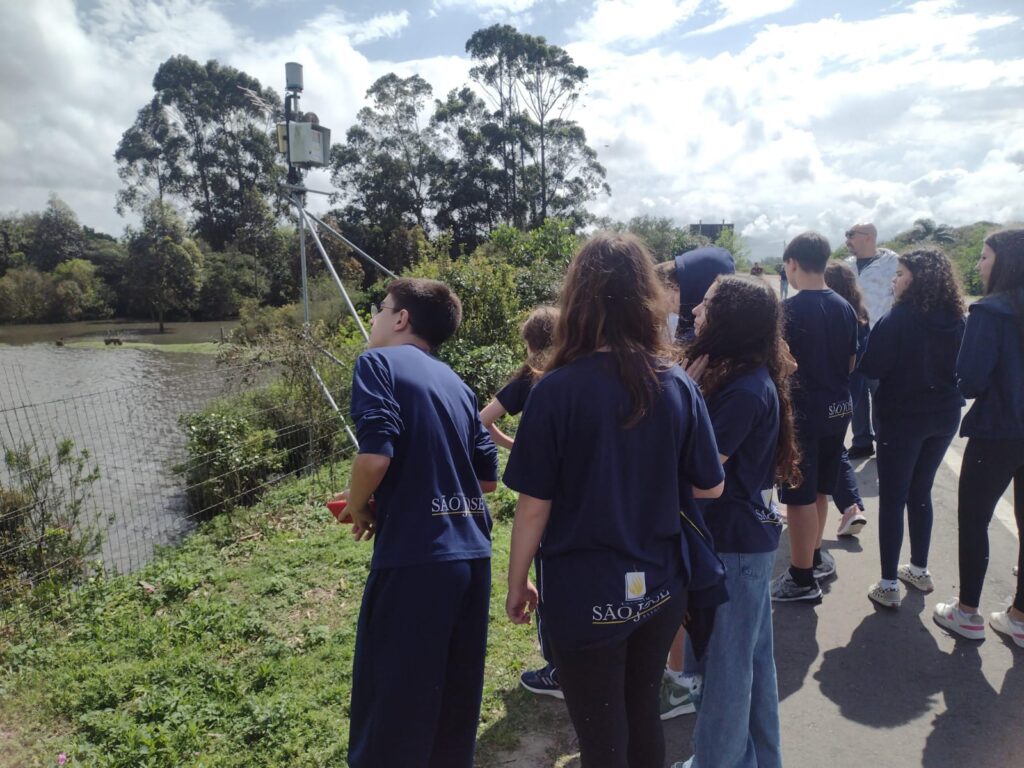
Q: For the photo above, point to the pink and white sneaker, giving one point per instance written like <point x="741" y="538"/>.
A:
<point x="969" y="625"/>
<point x="1001" y="622"/>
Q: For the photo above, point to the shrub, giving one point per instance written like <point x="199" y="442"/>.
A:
<point x="229" y="460"/>
<point x="46" y="530"/>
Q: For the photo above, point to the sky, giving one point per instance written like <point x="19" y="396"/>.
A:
<point x="776" y="115"/>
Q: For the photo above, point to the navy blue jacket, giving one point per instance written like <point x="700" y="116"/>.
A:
<point x="913" y="356"/>
<point x="991" y="369"/>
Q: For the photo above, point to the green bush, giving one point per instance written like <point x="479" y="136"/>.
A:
<point x="47" y="533"/>
<point x="229" y="461"/>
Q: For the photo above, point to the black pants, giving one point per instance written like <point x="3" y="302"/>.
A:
<point x="988" y="468"/>
<point x="612" y="693"/>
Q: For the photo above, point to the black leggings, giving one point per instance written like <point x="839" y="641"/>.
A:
<point x="612" y="693"/>
<point x="987" y="469"/>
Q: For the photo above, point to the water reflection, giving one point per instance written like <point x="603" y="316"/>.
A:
<point x="123" y="406"/>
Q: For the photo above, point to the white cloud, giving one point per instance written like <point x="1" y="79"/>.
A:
<point x="809" y="127"/>
<point x="736" y="12"/>
<point x="633" y="20"/>
<point x="490" y="10"/>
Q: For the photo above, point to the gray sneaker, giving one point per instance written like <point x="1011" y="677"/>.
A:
<point x="675" y="699"/>
<point x="890" y="598"/>
<point x="827" y="568"/>
<point x="923" y="582"/>
<point x="785" y="590"/>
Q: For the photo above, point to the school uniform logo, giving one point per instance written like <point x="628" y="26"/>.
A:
<point x="457" y="505"/>
<point x="840" y="409"/>
<point x="636" y="585"/>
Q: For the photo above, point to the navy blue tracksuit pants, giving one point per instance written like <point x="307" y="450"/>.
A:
<point x="418" y="671"/>
<point x="910" y="450"/>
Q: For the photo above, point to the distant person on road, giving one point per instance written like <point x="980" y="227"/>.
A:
<point x="426" y="460"/>
<point x="783" y="280"/>
<point x="821" y="330"/>
<point x="990" y="369"/>
<point x="843" y="280"/>
<point x="616" y="440"/>
<point x="876" y="268"/>
<point x="912" y="354"/>
<point x="739" y="358"/>
<point x="538" y="333"/>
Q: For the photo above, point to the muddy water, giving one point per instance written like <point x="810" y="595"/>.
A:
<point x="120" y="404"/>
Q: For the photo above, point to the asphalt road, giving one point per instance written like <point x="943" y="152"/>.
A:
<point x="861" y="686"/>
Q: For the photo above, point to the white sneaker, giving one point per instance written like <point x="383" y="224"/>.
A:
<point x="1001" y="622"/>
<point x="923" y="582"/>
<point x="949" y="616"/>
<point x="852" y="521"/>
<point x="889" y="598"/>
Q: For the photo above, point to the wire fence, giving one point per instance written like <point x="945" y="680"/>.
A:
<point x="107" y="475"/>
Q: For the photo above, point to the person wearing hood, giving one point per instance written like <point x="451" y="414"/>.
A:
<point x="990" y="369"/>
<point x="695" y="271"/>
<point x="912" y="353"/>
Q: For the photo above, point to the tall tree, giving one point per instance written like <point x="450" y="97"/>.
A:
<point x="227" y="147"/>
<point x="57" y="237"/>
<point x="150" y="159"/>
<point x="163" y="264"/>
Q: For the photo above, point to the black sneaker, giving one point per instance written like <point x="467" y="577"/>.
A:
<point x="860" y="451"/>
<point x="543" y="682"/>
<point x="826" y="569"/>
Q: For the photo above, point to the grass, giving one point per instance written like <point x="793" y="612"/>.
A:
<point x="234" y="649"/>
<point x="199" y="348"/>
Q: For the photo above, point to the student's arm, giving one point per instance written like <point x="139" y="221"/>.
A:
<point x="488" y="486"/>
<point x="493" y="411"/>
<point x="368" y="469"/>
<point x="700" y="463"/>
<point x="527" y="528"/>
<point x="485" y="459"/>
<point x="978" y="355"/>
<point x="709" y="493"/>
<point x="853" y="362"/>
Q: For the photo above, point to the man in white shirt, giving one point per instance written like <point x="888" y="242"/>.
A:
<point x="875" y="268"/>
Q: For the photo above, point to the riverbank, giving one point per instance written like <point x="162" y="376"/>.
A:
<point x="235" y="649"/>
<point x="133" y="331"/>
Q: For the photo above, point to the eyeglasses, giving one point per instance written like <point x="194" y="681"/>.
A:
<point x="375" y="310"/>
<point x="851" y="232"/>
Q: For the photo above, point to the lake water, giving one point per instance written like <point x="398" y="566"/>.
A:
<point x="122" y="405"/>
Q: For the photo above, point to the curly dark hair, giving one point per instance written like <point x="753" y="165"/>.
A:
<point x="842" y="279"/>
<point x="934" y="286"/>
<point x="744" y="331"/>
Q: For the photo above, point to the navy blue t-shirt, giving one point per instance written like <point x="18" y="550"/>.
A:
<point x="821" y="330"/>
<point x="408" y="405"/>
<point x="612" y="550"/>
<point x="745" y="415"/>
<point x="513" y="395"/>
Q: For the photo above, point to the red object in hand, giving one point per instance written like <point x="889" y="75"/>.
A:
<point x="337" y="508"/>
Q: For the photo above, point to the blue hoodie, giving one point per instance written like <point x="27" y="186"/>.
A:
<point x="696" y="270"/>
<point x="913" y="357"/>
<point x="991" y="369"/>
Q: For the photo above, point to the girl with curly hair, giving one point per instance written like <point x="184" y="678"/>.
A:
<point x="912" y="353"/>
<point x="741" y="360"/>
<point x="991" y="368"/>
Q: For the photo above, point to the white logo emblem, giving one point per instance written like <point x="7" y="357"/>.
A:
<point x="636" y="585"/>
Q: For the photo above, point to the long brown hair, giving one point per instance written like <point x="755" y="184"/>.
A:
<point x="1007" y="275"/>
<point x="841" y="279"/>
<point x="934" y="284"/>
<point x="612" y="299"/>
<point x="743" y="332"/>
<point x="538" y="331"/>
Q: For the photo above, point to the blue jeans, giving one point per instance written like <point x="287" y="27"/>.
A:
<point x="910" y="450"/>
<point x="738" y="706"/>
<point x="865" y="420"/>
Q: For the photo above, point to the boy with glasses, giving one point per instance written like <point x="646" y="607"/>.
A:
<point x="425" y="459"/>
